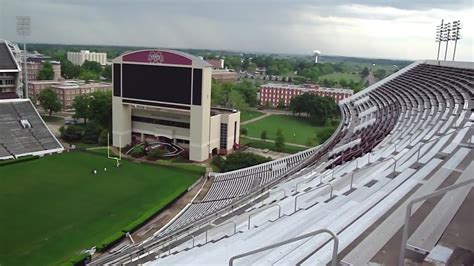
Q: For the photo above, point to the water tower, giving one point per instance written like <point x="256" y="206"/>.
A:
<point x="316" y="54"/>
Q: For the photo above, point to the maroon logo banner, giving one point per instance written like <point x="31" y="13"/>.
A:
<point x="157" y="57"/>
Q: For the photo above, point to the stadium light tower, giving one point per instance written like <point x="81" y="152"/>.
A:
<point x="23" y="29"/>
<point x="445" y="37"/>
<point x="439" y="36"/>
<point x="455" y="34"/>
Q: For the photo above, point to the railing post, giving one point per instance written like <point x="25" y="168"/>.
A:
<point x="325" y="185"/>
<point x="334" y="260"/>
<point x="401" y="259"/>
<point x="352" y="179"/>
<point x="250" y="215"/>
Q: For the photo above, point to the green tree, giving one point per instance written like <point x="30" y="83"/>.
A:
<point x="281" y="104"/>
<point x="107" y="73"/>
<point x="280" y="139"/>
<point x="103" y="137"/>
<point x="217" y="93"/>
<point x="92" y="133"/>
<point x="46" y="72"/>
<point x="243" y="131"/>
<point x="71" y="133"/>
<point x="365" y="72"/>
<point x="248" y="90"/>
<point x="252" y="67"/>
<point x="69" y="70"/>
<point x="81" y="105"/>
<point x="263" y="135"/>
<point x="92" y="66"/>
<point x="101" y="108"/>
<point x="88" y="75"/>
<point x="49" y="100"/>
<point x="236" y="100"/>
<point x="380" y="73"/>
<point x="238" y="160"/>
<point x="343" y="83"/>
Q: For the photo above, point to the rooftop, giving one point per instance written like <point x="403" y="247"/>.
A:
<point x="71" y="84"/>
<point x="7" y="61"/>
<point x="306" y="87"/>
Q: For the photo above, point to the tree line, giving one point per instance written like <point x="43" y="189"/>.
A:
<point x="96" y="111"/>
<point x="239" y="96"/>
<point x="316" y="107"/>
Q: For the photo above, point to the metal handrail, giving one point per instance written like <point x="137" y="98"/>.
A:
<point x="264" y="209"/>
<point x="439" y="192"/>
<point x="436" y="139"/>
<point x="334" y="261"/>
<point x="219" y="225"/>
<point x="325" y="185"/>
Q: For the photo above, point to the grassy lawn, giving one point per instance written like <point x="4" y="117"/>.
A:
<point x="53" y="207"/>
<point x="85" y="145"/>
<point x="260" y="144"/>
<point x="337" y="76"/>
<point x="295" y="129"/>
<point x="249" y="114"/>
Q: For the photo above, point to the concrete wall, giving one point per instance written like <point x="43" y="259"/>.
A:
<point x="215" y="132"/>
<point x="199" y="148"/>
<point x="233" y="123"/>
<point x="121" y="123"/>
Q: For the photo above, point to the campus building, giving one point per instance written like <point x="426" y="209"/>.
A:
<point x="66" y="90"/>
<point x="166" y="95"/>
<point x="273" y="93"/>
<point x="224" y="75"/>
<point x="34" y="66"/>
<point x="78" y="58"/>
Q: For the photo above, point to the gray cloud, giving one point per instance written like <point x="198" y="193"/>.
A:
<point x="286" y="26"/>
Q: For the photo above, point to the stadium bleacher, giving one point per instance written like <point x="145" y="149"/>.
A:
<point x="17" y="140"/>
<point x="403" y="137"/>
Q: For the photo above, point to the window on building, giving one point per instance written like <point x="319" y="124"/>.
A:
<point x="223" y="140"/>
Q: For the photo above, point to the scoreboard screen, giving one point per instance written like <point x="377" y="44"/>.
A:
<point x="157" y="83"/>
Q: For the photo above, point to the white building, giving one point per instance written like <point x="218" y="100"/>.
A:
<point x="166" y="95"/>
<point x="78" y="58"/>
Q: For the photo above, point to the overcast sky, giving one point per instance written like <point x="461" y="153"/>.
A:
<point x="362" y="28"/>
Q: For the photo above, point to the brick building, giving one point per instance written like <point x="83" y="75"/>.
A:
<point x="67" y="90"/>
<point x="273" y="93"/>
<point x="34" y="67"/>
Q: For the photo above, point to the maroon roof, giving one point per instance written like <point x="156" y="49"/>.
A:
<point x="8" y="95"/>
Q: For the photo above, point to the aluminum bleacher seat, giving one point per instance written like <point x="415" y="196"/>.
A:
<point x="359" y="192"/>
<point x="18" y="141"/>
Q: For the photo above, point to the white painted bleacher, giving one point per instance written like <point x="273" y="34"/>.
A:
<point x="416" y="154"/>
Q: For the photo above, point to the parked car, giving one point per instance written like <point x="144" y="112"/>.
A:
<point x="70" y="122"/>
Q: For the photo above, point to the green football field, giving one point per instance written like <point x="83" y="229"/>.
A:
<point x="295" y="129"/>
<point x="54" y="207"/>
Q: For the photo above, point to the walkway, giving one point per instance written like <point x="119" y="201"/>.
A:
<point x="254" y="119"/>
